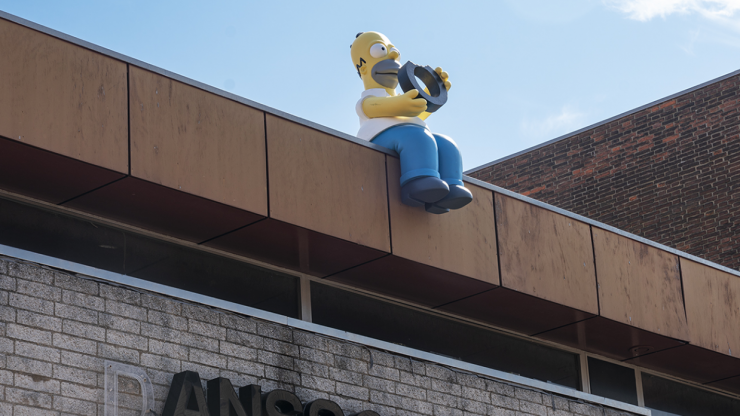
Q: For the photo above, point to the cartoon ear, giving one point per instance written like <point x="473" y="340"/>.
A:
<point x="363" y="70"/>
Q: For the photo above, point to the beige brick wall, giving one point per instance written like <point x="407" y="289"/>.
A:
<point x="56" y="331"/>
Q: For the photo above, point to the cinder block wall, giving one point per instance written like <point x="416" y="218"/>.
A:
<point x="56" y="330"/>
<point x="669" y="173"/>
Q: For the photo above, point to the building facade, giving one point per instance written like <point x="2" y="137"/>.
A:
<point x="137" y="250"/>
<point x="59" y="329"/>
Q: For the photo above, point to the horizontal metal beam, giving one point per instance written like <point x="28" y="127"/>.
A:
<point x="76" y="268"/>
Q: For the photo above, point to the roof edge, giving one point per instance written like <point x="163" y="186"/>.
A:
<point x="603" y="226"/>
<point x="191" y="82"/>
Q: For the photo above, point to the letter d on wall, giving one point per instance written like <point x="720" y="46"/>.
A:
<point x="112" y="371"/>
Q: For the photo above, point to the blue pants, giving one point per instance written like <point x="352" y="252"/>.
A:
<point x="423" y="153"/>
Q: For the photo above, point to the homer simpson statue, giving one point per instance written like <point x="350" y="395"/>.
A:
<point x="431" y="165"/>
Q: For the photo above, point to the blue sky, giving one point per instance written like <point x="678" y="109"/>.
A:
<point x="522" y="71"/>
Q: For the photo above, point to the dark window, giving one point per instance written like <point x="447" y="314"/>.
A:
<point x="654" y="412"/>
<point x="413" y="328"/>
<point x="103" y="247"/>
<point x="612" y="381"/>
<point x="681" y="399"/>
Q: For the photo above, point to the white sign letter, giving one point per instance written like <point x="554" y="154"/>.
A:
<point x="112" y="371"/>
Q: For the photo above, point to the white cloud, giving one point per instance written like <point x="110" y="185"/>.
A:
<point x="567" y="120"/>
<point x="723" y="11"/>
<point x="721" y="18"/>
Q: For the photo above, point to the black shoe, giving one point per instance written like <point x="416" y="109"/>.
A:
<point x="458" y="197"/>
<point x="424" y="190"/>
<point x="435" y="209"/>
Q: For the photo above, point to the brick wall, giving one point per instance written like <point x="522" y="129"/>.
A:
<point x="669" y="173"/>
<point x="56" y="330"/>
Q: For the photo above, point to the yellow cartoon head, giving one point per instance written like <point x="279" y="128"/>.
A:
<point x="376" y="60"/>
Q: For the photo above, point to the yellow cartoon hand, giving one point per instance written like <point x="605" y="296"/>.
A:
<point x="444" y="76"/>
<point x="413" y="105"/>
<point x="406" y="105"/>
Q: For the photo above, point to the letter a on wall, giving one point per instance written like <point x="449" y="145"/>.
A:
<point x="186" y="396"/>
<point x="222" y="400"/>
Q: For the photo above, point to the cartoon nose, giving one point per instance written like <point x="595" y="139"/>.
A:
<point x="394" y="54"/>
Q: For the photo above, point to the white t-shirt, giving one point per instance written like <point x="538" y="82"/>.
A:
<point x="371" y="127"/>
